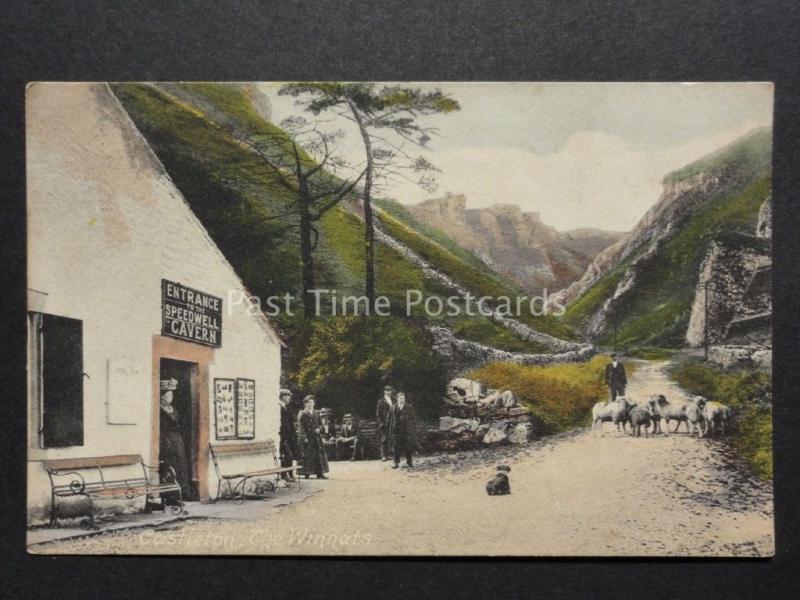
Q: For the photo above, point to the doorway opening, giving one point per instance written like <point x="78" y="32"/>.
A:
<point x="178" y="422"/>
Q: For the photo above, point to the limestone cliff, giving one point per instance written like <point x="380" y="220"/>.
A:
<point x="643" y="289"/>
<point x="514" y="243"/>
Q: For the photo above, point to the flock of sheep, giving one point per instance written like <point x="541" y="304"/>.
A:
<point x="705" y="417"/>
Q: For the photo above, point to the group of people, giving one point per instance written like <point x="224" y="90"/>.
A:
<point x="316" y="437"/>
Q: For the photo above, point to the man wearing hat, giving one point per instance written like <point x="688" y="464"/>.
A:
<point x="287" y="433"/>
<point x="382" y="412"/>
<point x="616" y="380"/>
<point x="349" y="438"/>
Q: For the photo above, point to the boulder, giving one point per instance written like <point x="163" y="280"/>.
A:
<point x="457" y="425"/>
<point x="496" y="433"/>
<point x="462" y="390"/>
<point x="505" y="399"/>
<point x="521" y="433"/>
<point x="762" y="359"/>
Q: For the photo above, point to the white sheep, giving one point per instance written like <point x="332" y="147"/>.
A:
<point x="689" y="412"/>
<point x="616" y="412"/>
<point x="717" y="417"/>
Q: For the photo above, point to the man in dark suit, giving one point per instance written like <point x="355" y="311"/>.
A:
<point x="616" y="380"/>
<point x="349" y="438"/>
<point x="403" y="430"/>
<point x="287" y="432"/>
<point x="382" y="412"/>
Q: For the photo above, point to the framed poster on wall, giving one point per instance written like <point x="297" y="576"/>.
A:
<point x="224" y="409"/>
<point x="245" y="408"/>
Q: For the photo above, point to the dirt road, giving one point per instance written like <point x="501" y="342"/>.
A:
<point x="573" y="494"/>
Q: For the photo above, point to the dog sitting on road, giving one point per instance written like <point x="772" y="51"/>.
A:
<point x="499" y="485"/>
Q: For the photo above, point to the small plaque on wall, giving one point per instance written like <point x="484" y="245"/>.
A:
<point x="124" y="385"/>
<point x="225" y="409"/>
<point x="245" y="408"/>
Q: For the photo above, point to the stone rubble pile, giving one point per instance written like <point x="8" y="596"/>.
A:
<point x="477" y="416"/>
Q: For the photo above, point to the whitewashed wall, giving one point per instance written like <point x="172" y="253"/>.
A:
<point x="105" y="225"/>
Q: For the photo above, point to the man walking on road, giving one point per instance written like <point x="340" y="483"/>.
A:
<point x="616" y="380"/>
<point x="403" y="431"/>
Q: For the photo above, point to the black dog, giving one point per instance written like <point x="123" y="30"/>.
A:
<point x="499" y="485"/>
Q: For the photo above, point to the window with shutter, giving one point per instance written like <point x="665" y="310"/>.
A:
<point x="61" y="381"/>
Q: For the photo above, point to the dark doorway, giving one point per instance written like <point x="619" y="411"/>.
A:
<point x="178" y="431"/>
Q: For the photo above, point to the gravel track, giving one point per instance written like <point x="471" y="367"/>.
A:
<point x="574" y="494"/>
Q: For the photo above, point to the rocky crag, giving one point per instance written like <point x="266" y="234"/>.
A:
<point x="644" y="286"/>
<point x="514" y="243"/>
<point x="734" y="314"/>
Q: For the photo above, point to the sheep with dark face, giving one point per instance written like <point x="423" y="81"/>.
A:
<point x="717" y="417"/>
<point x="640" y="418"/>
<point x="694" y="415"/>
<point x="616" y="412"/>
<point x="654" y="416"/>
<point x="689" y="412"/>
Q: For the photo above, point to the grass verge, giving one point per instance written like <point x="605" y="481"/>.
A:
<point x="560" y="396"/>
<point x="749" y="393"/>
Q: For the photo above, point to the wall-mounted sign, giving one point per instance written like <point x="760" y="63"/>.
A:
<point x="245" y="408"/>
<point x="190" y="314"/>
<point x="224" y="409"/>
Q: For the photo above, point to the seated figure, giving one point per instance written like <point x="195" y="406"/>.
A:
<point x="328" y="433"/>
<point x="349" y="441"/>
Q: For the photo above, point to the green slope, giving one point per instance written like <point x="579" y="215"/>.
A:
<point x="193" y="129"/>
<point x="656" y="312"/>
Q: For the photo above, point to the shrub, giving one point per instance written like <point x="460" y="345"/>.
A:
<point x="561" y="396"/>
<point x="748" y="393"/>
<point x="348" y="360"/>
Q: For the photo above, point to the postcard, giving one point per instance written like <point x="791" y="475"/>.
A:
<point x="399" y="318"/>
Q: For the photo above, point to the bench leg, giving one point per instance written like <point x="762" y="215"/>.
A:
<point x="176" y="510"/>
<point x="92" y="524"/>
<point x="53" y="509"/>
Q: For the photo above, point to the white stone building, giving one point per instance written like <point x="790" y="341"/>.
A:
<point x="108" y="235"/>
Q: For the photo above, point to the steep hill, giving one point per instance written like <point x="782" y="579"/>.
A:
<point x="640" y="290"/>
<point x="516" y="244"/>
<point x="196" y="131"/>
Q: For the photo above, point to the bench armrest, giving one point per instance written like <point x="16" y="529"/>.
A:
<point x="164" y="468"/>
<point x="76" y="486"/>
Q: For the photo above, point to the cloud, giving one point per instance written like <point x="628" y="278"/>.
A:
<point x="594" y="180"/>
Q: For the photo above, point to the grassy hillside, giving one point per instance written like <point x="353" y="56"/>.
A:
<point x="193" y="128"/>
<point x="656" y="312"/>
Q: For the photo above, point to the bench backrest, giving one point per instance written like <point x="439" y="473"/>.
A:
<point x="96" y="462"/>
<point x="218" y="451"/>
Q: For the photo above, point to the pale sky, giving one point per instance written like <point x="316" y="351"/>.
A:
<point x="580" y="154"/>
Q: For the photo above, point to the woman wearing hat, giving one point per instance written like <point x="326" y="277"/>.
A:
<point x="172" y="447"/>
<point x="315" y="460"/>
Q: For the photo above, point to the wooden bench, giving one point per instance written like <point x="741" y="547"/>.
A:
<point x="237" y="480"/>
<point x="70" y="477"/>
<point x="370" y="436"/>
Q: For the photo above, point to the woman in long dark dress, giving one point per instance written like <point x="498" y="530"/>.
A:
<point x="173" y="449"/>
<point x="315" y="461"/>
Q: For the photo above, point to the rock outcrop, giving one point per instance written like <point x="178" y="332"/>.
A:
<point x="729" y="272"/>
<point x="732" y="310"/>
<point x="644" y="284"/>
<point x="476" y="415"/>
<point x="514" y="243"/>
